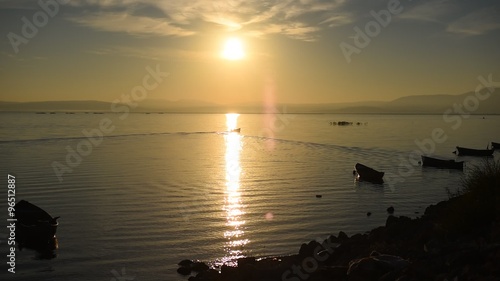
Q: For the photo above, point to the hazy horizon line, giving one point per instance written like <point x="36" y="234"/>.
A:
<point x="246" y="103"/>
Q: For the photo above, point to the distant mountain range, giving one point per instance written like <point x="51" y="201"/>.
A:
<point x="424" y="104"/>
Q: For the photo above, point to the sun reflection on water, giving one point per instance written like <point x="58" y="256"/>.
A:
<point x="232" y="201"/>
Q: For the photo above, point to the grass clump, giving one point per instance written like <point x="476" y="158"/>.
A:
<point x="477" y="202"/>
<point x="483" y="180"/>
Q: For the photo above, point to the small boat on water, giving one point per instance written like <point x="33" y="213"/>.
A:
<point x="237" y="130"/>
<point x="365" y="173"/>
<point x="463" y="151"/>
<point x="442" y="163"/>
<point x="495" y="145"/>
<point x="34" y="226"/>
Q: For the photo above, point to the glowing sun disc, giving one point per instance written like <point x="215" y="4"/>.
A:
<point x="233" y="49"/>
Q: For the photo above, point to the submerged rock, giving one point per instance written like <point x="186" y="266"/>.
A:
<point x="188" y="266"/>
<point x="185" y="263"/>
<point x="184" y="270"/>
<point x="199" y="266"/>
<point x="208" y="275"/>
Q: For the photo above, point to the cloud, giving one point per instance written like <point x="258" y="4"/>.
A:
<point x="337" y="20"/>
<point x="297" y="19"/>
<point x="476" y="23"/>
<point x="464" y="18"/>
<point x="431" y="11"/>
<point x="124" y="22"/>
<point x="295" y="31"/>
<point x="153" y="53"/>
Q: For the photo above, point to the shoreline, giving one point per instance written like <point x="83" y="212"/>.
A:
<point x="445" y="243"/>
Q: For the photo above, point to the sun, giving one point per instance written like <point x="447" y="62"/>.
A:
<point x="233" y="49"/>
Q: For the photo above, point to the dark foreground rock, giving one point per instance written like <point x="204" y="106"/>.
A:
<point x="436" y="246"/>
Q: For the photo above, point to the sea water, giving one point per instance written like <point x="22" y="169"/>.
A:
<point x="136" y="195"/>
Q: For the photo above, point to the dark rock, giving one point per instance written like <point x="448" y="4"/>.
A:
<point x="199" y="266"/>
<point x="391" y="220"/>
<point x="308" y="250"/>
<point x="390" y="276"/>
<point x="333" y="272"/>
<point x="333" y="239"/>
<point x="343" y="236"/>
<point x="303" y="251"/>
<point x="246" y="260"/>
<point x="185" y="263"/>
<point x="401" y="229"/>
<point x="184" y="270"/>
<point x="247" y="271"/>
<point x="230" y="272"/>
<point x="357" y="236"/>
<point x="402" y="221"/>
<point x="377" y="234"/>
<point x="366" y="269"/>
<point x="435" y="250"/>
<point x="209" y="275"/>
<point x="374" y="267"/>
<point x="390" y="210"/>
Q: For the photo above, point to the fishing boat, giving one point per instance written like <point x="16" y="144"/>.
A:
<point x="442" y="163"/>
<point x="365" y="173"/>
<point x="34" y="225"/>
<point x="474" y="152"/>
<point x="495" y="145"/>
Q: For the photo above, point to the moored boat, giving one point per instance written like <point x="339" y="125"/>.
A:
<point x="495" y="145"/>
<point x="474" y="152"/>
<point x="365" y="173"/>
<point x="34" y="226"/>
<point x="442" y="163"/>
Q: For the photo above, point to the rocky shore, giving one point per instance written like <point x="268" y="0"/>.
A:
<point x="457" y="239"/>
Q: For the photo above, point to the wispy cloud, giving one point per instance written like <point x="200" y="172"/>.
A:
<point x="337" y="20"/>
<point x="464" y="18"/>
<point x="430" y="11"/>
<point x="20" y="58"/>
<point x="125" y="22"/>
<point x="153" y="53"/>
<point x="297" y="19"/>
<point x="477" y="22"/>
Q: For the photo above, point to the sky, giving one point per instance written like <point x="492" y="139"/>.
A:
<point x="304" y="51"/>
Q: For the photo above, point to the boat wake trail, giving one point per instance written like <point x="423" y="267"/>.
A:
<point x="55" y="139"/>
<point x="362" y="151"/>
